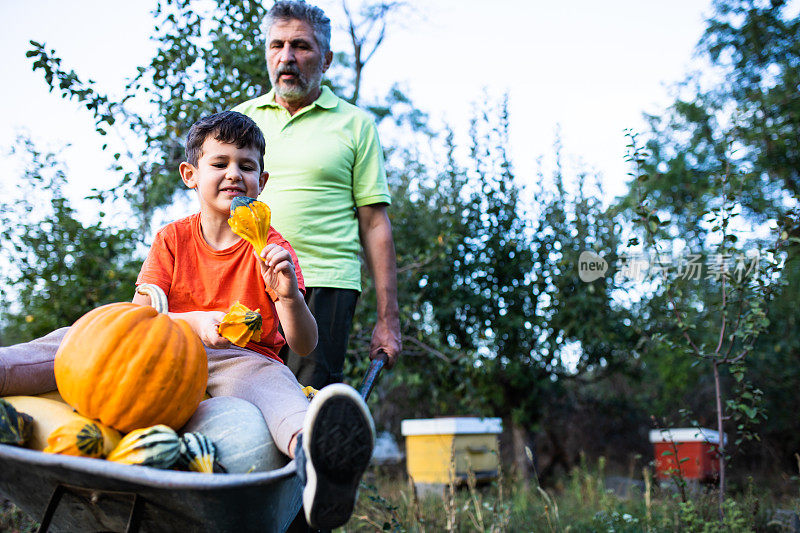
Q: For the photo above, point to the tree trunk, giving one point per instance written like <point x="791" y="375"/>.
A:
<point x="721" y="445"/>
<point x="520" y="440"/>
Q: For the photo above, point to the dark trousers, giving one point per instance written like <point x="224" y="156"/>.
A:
<point x="333" y="309"/>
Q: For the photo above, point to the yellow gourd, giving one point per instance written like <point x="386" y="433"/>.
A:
<point x="250" y="220"/>
<point x="83" y="439"/>
<point x="48" y="416"/>
<point x="241" y="325"/>
<point x="52" y="395"/>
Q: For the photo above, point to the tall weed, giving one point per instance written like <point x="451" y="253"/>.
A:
<point x="578" y="503"/>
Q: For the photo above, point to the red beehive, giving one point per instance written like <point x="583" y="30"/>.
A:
<point x="692" y="450"/>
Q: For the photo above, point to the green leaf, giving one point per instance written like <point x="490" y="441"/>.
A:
<point x="751" y="412"/>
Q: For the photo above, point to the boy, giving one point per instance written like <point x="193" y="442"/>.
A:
<point x="204" y="267"/>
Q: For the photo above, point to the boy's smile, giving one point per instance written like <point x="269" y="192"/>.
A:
<point x="223" y="172"/>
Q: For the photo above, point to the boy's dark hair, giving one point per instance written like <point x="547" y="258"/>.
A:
<point x="227" y="127"/>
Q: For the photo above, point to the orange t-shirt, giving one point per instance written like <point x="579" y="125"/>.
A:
<point x="195" y="277"/>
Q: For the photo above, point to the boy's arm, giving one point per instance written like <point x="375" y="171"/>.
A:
<point x="299" y="325"/>
<point x="203" y="323"/>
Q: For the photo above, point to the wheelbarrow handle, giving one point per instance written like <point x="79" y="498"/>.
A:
<point x="375" y="367"/>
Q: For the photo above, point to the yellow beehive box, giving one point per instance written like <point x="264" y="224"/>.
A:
<point x="433" y="445"/>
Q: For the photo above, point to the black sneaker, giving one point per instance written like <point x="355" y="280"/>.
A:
<point x="336" y="446"/>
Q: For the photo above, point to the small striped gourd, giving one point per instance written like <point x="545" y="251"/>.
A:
<point x="15" y="427"/>
<point x="198" y="453"/>
<point x="310" y="392"/>
<point x="157" y="446"/>
<point x="83" y="438"/>
<point x="239" y="433"/>
<point x="48" y="415"/>
<point x="241" y="325"/>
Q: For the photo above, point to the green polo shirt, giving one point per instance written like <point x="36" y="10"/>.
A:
<point x="323" y="162"/>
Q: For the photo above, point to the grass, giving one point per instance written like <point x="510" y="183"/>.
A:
<point x="579" y="502"/>
<point x="12" y="520"/>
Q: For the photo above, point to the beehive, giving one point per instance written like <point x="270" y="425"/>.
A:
<point x="690" y="453"/>
<point x="434" y="445"/>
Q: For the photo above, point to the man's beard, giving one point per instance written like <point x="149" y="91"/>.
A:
<point x="300" y="87"/>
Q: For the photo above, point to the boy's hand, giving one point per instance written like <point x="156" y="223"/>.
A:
<point x="209" y="332"/>
<point x="277" y="270"/>
<point x="205" y="323"/>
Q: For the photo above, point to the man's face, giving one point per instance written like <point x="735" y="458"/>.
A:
<point x="295" y="61"/>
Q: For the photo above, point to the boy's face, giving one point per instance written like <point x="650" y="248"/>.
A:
<point x="223" y="172"/>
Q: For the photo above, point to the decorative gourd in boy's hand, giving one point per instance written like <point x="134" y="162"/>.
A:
<point x="241" y="325"/>
<point x="250" y="220"/>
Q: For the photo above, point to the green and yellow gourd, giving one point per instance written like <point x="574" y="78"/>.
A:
<point x="83" y="438"/>
<point x="197" y="453"/>
<point x="241" y="325"/>
<point x="250" y="220"/>
<point x="15" y="428"/>
<point x="240" y="435"/>
<point x="157" y="446"/>
<point x="49" y="416"/>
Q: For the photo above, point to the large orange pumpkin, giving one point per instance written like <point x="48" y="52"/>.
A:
<point x="131" y="366"/>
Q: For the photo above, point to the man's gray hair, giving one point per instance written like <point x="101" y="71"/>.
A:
<point x="299" y="10"/>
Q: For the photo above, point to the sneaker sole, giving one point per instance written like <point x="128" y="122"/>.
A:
<point x="338" y="446"/>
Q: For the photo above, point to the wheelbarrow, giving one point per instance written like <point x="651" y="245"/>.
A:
<point x="84" y="494"/>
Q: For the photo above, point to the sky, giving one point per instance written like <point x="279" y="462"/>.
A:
<point x="585" y="67"/>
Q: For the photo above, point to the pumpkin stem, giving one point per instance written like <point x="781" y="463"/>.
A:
<point x="157" y="297"/>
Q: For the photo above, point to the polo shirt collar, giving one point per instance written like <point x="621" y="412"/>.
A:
<point x="326" y="99"/>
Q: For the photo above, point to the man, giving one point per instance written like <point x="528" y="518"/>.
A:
<point x="327" y="190"/>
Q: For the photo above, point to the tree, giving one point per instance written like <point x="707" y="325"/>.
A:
<point x="755" y="109"/>
<point x="733" y="312"/>
<point x="58" y="268"/>
<point x="491" y="290"/>
<point x="366" y="30"/>
<point x="210" y="57"/>
<point x="584" y="335"/>
<point x="738" y="121"/>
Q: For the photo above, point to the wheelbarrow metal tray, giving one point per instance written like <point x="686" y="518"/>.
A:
<point x="99" y="495"/>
